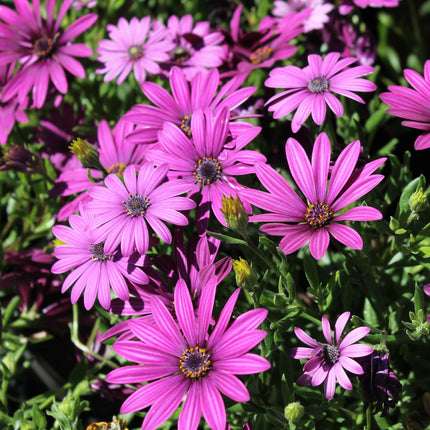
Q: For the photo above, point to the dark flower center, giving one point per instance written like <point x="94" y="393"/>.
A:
<point x="207" y="170"/>
<point x="98" y="252"/>
<point x="331" y="354"/>
<point x="136" y="205"/>
<point x="117" y="168"/>
<point x="260" y="55"/>
<point x="186" y="125"/>
<point x="318" y="215"/>
<point x="318" y="85"/>
<point x="195" y="362"/>
<point x="180" y="54"/>
<point x="43" y="47"/>
<point x="135" y="52"/>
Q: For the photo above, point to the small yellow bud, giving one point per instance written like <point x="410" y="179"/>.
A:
<point x="87" y="154"/>
<point x="293" y="412"/>
<point x="245" y="274"/>
<point x="234" y="214"/>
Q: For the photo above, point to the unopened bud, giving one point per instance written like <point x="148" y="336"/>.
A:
<point x="19" y="159"/>
<point x="234" y="214"/>
<point x="418" y="201"/>
<point x="294" y="411"/>
<point x="87" y="154"/>
<point x="245" y="274"/>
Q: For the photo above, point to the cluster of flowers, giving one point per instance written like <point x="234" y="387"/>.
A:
<point x="184" y="152"/>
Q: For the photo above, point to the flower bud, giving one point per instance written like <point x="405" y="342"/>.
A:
<point x="418" y="201"/>
<point x="293" y="412"/>
<point x="19" y="159"/>
<point x="87" y="154"/>
<point x="245" y="274"/>
<point x="234" y="214"/>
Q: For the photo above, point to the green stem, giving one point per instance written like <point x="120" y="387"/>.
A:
<point x="258" y="251"/>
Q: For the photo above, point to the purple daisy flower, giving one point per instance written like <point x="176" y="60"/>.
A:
<point x="196" y="47"/>
<point x="327" y="362"/>
<point x="133" y="46"/>
<point x="311" y="88"/>
<point x="42" y="47"/>
<point x="96" y="266"/>
<point x="116" y="153"/>
<point x="317" y="18"/>
<point x="11" y="111"/>
<point x="181" y="358"/>
<point x="202" y="92"/>
<point x="208" y="161"/>
<point x="315" y="218"/>
<point x="124" y="210"/>
<point x="412" y="104"/>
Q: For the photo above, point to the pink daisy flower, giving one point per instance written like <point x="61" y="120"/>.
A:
<point x="311" y="88"/>
<point x="316" y="218"/>
<point x="124" y="210"/>
<point x="347" y="6"/>
<point x="327" y="362"/>
<point x="11" y="111"/>
<point x="262" y="48"/>
<point x="196" y="47"/>
<point x="178" y="358"/>
<point x="116" y="153"/>
<point x="133" y="46"/>
<point x="202" y="92"/>
<point x="96" y="267"/>
<point x="42" y="47"/>
<point x="412" y="104"/>
<point x="208" y="161"/>
<point x="317" y="18"/>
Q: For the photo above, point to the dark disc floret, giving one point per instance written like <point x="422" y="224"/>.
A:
<point x="261" y="54"/>
<point x="318" y="215"/>
<point x="180" y="54"/>
<point x="136" y="205"/>
<point x="43" y="47"/>
<point x="186" y="125"/>
<point x="195" y="362"/>
<point x="135" y="52"/>
<point x="331" y="354"/>
<point x="98" y="252"/>
<point x="318" y="85"/>
<point x="207" y="170"/>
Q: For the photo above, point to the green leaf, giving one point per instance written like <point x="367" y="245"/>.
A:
<point x="369" y="313"/>
<point x="311" y="271"/>
<point x="227" y="239"/>
<point x="418" y="299"/>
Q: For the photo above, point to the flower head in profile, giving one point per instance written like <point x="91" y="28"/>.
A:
<point x="133" y="46"/>
<point x="208" y="161"/>
<point x="381" y="385"/>
<point x="412" y="104"/>
<point x="309" y="90"/>
<point x="315" y="218"/>
<point x="124" y="210"/>
<point x="96" y="267"/>
<point x="203" y="92"/>
<point x="42" y="47"/>
<point x="327" y="362"/>
<point x="179" y="357"/>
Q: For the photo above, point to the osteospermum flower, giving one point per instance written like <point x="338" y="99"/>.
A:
<point x="412" y="104"/>
<point x="311" y="88"/>
<point x="124" y="210"/>
<point x="210" y="160"/>
<point x="42" y="47"/>
<point x="178" y="358"/>
<point x="96" y="267"/>
<point x="327" y="362"/>
<point x="196" y="47"/>
<point x="203" y="92"/>
<point x="316" y="218"/>
<point x="133" y="46"/>
<point x="317" y="18"/>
